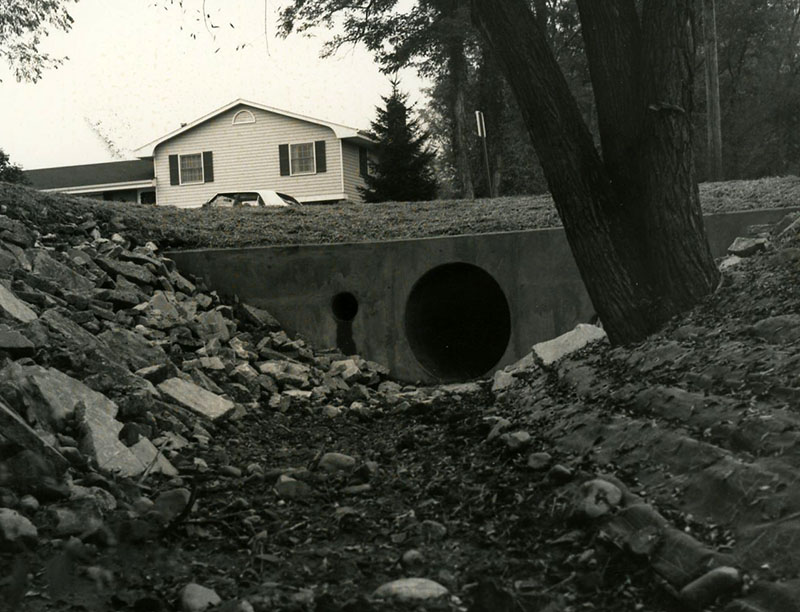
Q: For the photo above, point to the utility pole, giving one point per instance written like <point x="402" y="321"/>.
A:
<point x="714" y="115"/>
<point x="482" y="135"/>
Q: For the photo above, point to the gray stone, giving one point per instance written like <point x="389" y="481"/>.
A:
<point x="132" y="349"/>
<point x="14" y="428"/>
<point x="52" y="397"/>
<point x="197" y="598"/>
<point x="65" y="277"/>
<point x="169" y="504"/>
<point x="196" y="398"/>
<point x="287" y="373"/>
<point x="29" y="504"/>
<point x="719" y="581"/>
<point x="778" y="330"/>
<point x="213" y="324"/>
<point x="347" y="369"/>
<point x="15" y="344"/>
<point x="552" y="350"/>
<point x="131" y="271"/>
<point x="516" y="440"/>
<point x="433" y="530"/>
<point x="16" y="532"/>
<point x="80" y="517"/>
<point x="411" y="590"/>
<point x="498" y="428"/>
<point x="539" y="461"/>
<point x="101" y="438"/>
<point x="598" y="498"/>
<point x="259" y="317"/>
<point x="147" y="453"/>
<point x="501" y="381"/>
<point x="745" y="247"/>
<point x="13" y="307"/>
<point x="412" y="559"/>
<point x="290" y="488"/>
<point x="336" y="462"/>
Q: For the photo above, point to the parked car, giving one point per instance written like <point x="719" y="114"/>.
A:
<point x="255" y="197"/>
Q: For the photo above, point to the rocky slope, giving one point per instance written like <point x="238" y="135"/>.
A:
<point x="162" y="450"/>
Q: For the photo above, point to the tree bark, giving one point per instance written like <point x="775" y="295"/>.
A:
<point x="713" y="112"/>
<point x="457" y="69"/>
<point x="632" y="219"/>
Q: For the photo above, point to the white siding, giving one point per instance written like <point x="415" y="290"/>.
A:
<point x="352" y="175"/>
<point x="246" y="157"/>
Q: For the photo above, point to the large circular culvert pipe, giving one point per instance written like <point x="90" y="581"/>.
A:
<point x="457" y="321"/>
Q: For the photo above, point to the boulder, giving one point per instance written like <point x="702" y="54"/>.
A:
<point x="132" y="349"/>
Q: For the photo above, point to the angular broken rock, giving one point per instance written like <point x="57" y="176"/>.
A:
<point x="15" y="428"/>
<point x="411" y="589"/>
<point x="196" y="398"/>
<point x="133" y="349"/>
<point x="553" y="350"/>
<point x="745" y="247"/>
<point x="53" y="397"/>
<point x="501" y="381"/>
<point x="15" y="344"/>
<point x="12" y="306"/>
<point x="149" y="455"/>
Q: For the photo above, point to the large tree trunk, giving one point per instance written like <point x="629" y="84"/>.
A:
<point x="632" y="219"/>
<point x="457" y="70"/>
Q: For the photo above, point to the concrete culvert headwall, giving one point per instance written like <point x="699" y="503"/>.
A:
<point x="457" y="321"/>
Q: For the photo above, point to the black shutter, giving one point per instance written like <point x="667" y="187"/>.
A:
<point x="173" y="170"/>
<point x="322" y="165"/>
<point x="208" y="167"/>
<point x="362" y="161"/>
<point x="283" y="153"/>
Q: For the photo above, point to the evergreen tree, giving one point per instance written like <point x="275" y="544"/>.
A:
<point x="402" y="170"/>
<point x="10" y="172"/>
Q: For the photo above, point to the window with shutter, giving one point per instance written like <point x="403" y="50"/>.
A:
<point x="301" y="158"/>
<point x="191" y="168"/>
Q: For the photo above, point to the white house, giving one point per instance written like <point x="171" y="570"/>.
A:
<point x="241" y="146"/>
<point x="245" y="145"/>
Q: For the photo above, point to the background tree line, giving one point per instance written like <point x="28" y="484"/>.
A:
<point x="759" y="80"/>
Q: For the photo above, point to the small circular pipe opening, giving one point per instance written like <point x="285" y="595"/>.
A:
<point x="344" y="306"/>
<point x="457" y="321"/>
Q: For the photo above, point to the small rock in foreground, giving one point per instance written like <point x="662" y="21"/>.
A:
<point x="411" y="589"/>
<point x="197" y="598"/>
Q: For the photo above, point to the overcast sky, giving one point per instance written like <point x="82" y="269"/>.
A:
<point x="135" y="70"/>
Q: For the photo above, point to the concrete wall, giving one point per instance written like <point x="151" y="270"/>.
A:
<point x="534" y="269"/>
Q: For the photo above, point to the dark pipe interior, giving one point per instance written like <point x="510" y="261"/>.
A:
<point x="457" y="321"/>
<point x="344" y="306"/>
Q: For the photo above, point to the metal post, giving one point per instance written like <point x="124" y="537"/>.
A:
<point x="482" y="135"/>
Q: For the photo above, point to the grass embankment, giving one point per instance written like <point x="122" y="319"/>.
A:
<point x="196" y="228"/>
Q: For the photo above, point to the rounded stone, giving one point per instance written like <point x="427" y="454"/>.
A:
<point x="411" y="589"/>
<point x="197" y="598"/>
